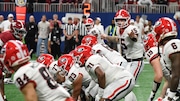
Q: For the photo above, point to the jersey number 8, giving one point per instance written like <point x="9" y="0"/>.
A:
<point x="51" y="83"/>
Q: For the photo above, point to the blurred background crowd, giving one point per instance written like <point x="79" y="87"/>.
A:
<point x="134" y="6"/>
<point x="58" y="36"/>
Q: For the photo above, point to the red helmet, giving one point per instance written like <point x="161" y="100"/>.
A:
<point x="90" y="40"/>
<point x="71" y="52"/>
<point x="122" y="15"/>
<point x="165" y="27"/>
<point x="89" y="23"/>
<point x="45" y="59"/>
<point x="82" y="53"/>
<point x="65" y="62"/>
<point x="150" y="41"/>
<point x="95" y="32"/>
<point x="18" y="29"/>
<point x="14" y="53"/>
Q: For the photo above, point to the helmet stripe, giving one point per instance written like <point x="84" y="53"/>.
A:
<point x="20" y="49"/>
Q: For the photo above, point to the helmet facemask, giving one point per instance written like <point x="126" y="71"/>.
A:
<point x="19" y="33"/>
<point x="122" y="22"/>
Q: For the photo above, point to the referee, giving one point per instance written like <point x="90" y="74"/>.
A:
<point x="81" y="30"/>
<point x="69" y="36"/>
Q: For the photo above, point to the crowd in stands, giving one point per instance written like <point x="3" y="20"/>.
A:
<point x="52" y="32"/>
<point x="141" y="2"/>
<point x="133" y="6"/>
<point x="49" y="1"/>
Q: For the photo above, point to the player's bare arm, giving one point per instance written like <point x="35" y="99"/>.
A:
<point x="59" y="78"/>
<point x="101" y="77"/>
<point x="157" y="69"/>
<point x="29" y="92"/>
<point x="77" y="85"/>
<point x="113" y="39"/>
<point x="174" y="81"/>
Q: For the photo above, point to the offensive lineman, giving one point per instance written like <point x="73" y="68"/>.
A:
<point x="76" y="77"/>
<point x="112" y="86"/>
<point x="103" y="49"/>
<point x="33" y="79"/>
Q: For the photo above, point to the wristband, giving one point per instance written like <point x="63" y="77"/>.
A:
<point x="5" y="97"/>
<point x="171" y="94"/>
<point x="100" y="92"/>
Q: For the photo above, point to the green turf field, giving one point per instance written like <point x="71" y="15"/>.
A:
<point x="142" y="92"/>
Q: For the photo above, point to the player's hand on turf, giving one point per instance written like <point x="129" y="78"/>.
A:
<point x="97" y="98"/>
<point x="167" y="99"/>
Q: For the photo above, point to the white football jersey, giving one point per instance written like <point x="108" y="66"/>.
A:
<point x="53" y="68"/>
<point x="96" y="32"/>
<point x="151" y="53"/>
<point x="112" y="72"/>
<point x="46" y="88"/>
<point x="112" y="55"/>
<point x="73" y="74"/>
<point x="132" y="49"/>
<point x="170" y="47"/>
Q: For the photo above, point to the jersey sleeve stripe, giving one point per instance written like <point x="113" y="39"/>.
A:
<point x="138" y="68"/>
<point x="81" y="74"/>
<point x="120" y="89"/>
<point x="154" y="57"/>
<point x="174" y="53"/>
<point x="30" y="81"/>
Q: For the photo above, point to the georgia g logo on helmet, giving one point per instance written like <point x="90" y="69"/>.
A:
<point x="41" y="58"/>
<point x="63" y="60"/>
<point x="80" y="50"/>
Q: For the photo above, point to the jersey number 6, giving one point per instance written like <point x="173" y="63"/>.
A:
<point x="174" y="46"/>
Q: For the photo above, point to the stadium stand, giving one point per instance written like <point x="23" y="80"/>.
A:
<point x="103" y="6"/>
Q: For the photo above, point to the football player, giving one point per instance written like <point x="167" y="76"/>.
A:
<point x="153" y="56"/>
<point x="45" y="59"/>
<point x="130" y="39"/>
<point x="33" y="79"/>
<point x="76" y="77"/>
<point x="51" y="64"/>
<point x="2" y="95"/>
<point x="93" y="31"/>
<point x="89" y="23"/>
<point x="131" y="42"/>
<point x="166" y="32"/>
<point x="112" y="86"/>
<point x="16" y="32"/>
<point x="103" y="49"/>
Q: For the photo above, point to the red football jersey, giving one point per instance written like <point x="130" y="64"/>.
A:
<point x="6" y="36"/>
